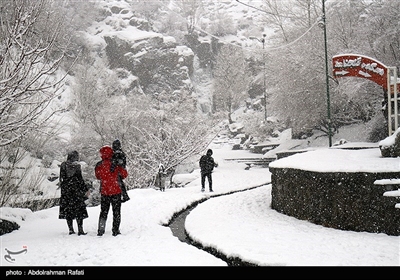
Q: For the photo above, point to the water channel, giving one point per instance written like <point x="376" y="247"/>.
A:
<point x="177" y="226"/>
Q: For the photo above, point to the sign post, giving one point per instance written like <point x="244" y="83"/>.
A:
<point x="392" y="97"/>
<point x="355" y="65"/>
<point x="328" y="98"/>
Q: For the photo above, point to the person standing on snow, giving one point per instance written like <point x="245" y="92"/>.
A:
<point x="74" y="192"/>
<point x="110" y="190"/>
<point x="207" y="165"/>
<point x="160" y="177"/>
<point x="119" y="158"/>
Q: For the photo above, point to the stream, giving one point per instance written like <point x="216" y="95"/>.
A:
<point x="177" y="226"/>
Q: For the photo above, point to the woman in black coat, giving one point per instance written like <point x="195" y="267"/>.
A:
<point x="73" y="193"/>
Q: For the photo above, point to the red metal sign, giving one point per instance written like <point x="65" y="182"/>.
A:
<point x="354" y="65"/>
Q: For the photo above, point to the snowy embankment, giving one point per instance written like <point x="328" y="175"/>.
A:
<point x="144" y="240"/>
<point x="239" y="225"/>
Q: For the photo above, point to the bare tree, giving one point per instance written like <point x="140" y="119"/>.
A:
<point x="176" y="134"/>
<point x="299" y="89"/>
<point x="306" y="11"/>
<point x="380" y="19"/>
<point x="29" y="60"/>
<point x="20" y="179"/>
<point x="153" y="129"/>
<point x="231" y="79"/>
<point x="277" y="14"/>
<point x="191" y="10"/>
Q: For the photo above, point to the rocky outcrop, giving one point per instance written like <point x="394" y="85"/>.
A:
<point x="158" y="62"/>
<point x="205" y="50"/>
<point x="131" y="43"/>
<point x="7" y="226"/>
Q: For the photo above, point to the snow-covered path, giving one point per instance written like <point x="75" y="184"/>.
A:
<point x="240" y="224"/>
<point x="243" y="227"/>
<point x="145" y="241"/>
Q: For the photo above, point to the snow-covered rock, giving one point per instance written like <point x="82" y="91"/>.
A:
<point x="181" y="180"/>
<point x="390" y="146"/>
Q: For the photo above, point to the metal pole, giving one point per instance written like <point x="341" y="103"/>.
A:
<point x="327" y="76"/>
<point x="264" y="86"/>
<point x="396" y="113"/>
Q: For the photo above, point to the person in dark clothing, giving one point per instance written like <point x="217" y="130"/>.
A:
<point x="110" y="190"/>
<point x="160" y="178"/>
<point x="74" y="192"/>
<point x="119" y="159"/>
<point x="207" y="165"/>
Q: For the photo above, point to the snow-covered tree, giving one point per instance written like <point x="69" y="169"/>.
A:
<point x="191" y="11"/>
<point x="162" y="128"/>
<point x="297" y="71"/>
<point x="30" y="57"/>
<point x="231" y="80"/>
<point x="168" y="134"/>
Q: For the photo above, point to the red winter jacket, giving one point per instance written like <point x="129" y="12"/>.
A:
<point x="109" y="180"/>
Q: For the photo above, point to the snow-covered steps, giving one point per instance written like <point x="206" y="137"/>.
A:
<point x="387" y="182"/>
<point x="392" y="193"/>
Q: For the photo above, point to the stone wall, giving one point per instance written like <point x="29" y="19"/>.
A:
<point x="346" y="201"/>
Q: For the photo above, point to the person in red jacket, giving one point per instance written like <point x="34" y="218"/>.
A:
<point x="110" y="190"/>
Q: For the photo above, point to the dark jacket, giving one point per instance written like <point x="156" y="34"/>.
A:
<point x="73" y="189"/>
<point x="160" y="177"/>
<point x="109" y="181"/>
<point x="207" y="163"/>
<point x="119" y="157"/>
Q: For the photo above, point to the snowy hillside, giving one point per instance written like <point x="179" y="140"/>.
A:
<point x="120" y="26"/>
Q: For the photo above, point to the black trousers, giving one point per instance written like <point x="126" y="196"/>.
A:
<point x="203" y="180"/>
<point x="115" y="202"/>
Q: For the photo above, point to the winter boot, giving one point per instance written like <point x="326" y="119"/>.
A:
<point x="80" y="227"/>
<point x="70" y="227"/>
<point x="102" y="226"/>
<point x="115" y="233"/>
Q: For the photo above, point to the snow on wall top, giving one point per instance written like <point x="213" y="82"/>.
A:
<point x="336" y="160"/>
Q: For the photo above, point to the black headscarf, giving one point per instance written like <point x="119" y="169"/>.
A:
<point x="116" y="145"/>
<point x="73" y="156"/>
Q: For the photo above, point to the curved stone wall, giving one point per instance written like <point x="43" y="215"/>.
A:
<point x="341" y="200"/>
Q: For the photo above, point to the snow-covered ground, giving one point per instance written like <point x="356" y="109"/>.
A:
<point x="241" y="224"/>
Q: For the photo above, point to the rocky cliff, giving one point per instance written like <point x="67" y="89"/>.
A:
<point x="129" y="42"/>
